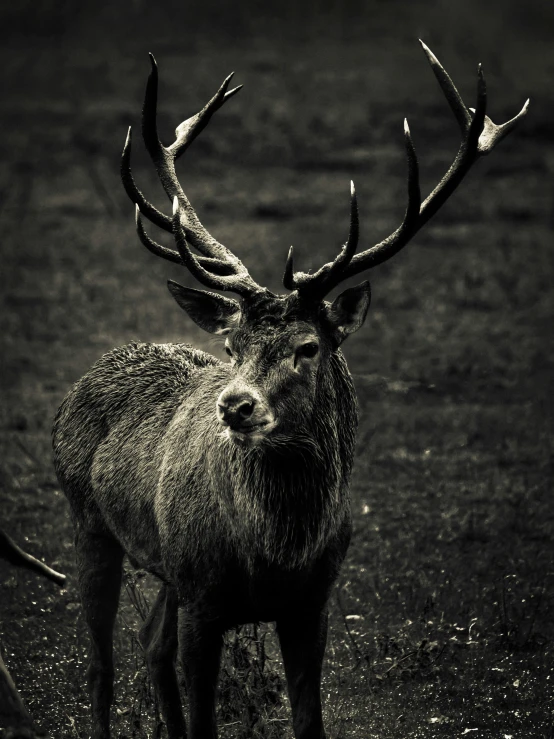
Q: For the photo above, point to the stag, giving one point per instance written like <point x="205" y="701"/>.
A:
<point x="14" y="716"/>
<point x="229" y="481"/>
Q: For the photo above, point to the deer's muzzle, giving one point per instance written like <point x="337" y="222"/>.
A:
<point x="245" y="415"/>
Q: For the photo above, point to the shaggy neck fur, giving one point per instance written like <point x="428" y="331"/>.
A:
<point x="289" y="496"/>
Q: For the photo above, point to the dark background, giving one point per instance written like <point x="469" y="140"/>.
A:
<point x="442" y="621"/>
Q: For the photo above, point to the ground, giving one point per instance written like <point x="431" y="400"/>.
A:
<point x="441" y="622"/>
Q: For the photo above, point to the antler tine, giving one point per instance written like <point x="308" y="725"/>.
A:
<point x="323" y="281"/>
<point x="288" y="277"/>
<point x="467" y="155"/>
<point x="479" y="136"/>
<point x="457" y="105"/>
<point x="160" y="251"/>
<point x="151" y="212"/>
<point x="217" y="266"/>
<point x="238" y="282"/>
<point x="187" y="131"/>
<point x="399" y="238"/>
<point x="493" y="134"/>
<point x="345" y="255"/>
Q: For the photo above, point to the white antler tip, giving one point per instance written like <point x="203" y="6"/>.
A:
<point x="523" y="112"/>
<point x="352" y="188"/>
<point x="175" y="205"/>
<point x="137" y="212"/>
<point x="153" y="64"/>
<point x="406" y="127"/>
<point x="432" y="58"/>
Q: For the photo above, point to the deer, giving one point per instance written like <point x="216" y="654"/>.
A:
<point x="14" y="716"/>
<point x="228" y="481"/>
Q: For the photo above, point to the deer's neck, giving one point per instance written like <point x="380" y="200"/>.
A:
<point x="289" y="497"/>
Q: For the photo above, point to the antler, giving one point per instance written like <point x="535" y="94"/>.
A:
<point x="217" y="263"/>
<point x="479" y="136"/>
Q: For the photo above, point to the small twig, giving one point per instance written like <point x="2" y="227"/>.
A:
<point x="71" y="722"/>
<point x="399" y="661"/>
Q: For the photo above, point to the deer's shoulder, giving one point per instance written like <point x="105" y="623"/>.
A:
<point x="139" y="357"/>
<point x="140" y="374"/>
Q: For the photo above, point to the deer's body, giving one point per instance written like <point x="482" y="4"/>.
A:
<point x="137" y="440"/>
<point x="236" y="532"/>
<point x="228" y="481"/>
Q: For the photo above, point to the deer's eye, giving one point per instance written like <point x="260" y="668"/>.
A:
<point x="228" y="350"/>
<point x="308" y="350"/>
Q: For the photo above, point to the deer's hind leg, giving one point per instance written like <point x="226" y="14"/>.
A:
<point x="158" y="637"/>
<point x="100" y="564"/>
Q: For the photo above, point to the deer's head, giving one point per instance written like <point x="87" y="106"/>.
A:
<point x="280" y="346"/>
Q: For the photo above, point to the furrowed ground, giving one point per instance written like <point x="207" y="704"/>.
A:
<point x="441" y="624"/>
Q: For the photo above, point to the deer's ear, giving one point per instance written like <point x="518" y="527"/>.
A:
<point x="210" y="311"/>
<point x="348" y="311"/>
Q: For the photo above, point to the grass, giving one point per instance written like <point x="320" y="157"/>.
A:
<point x="441" y="624"/>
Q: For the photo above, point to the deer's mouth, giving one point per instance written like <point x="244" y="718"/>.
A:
<point x="250" y="434"/>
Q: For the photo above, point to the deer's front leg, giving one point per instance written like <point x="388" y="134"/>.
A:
<point x="200" y="644"/>
<point x="303" y="639"/>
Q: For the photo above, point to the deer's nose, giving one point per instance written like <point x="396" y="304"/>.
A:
<point x="234" y="409"/>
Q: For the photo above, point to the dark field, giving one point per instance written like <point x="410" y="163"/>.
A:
<point x="443" y="618"/>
